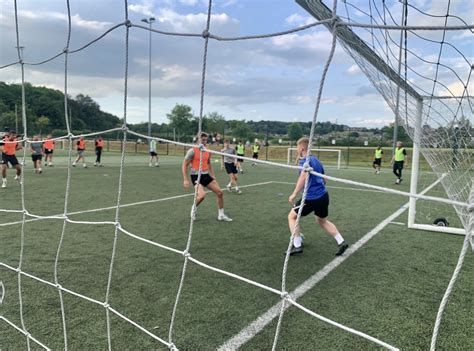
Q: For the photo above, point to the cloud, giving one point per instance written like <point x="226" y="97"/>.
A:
<point x="76" y="20"/>
<point x="298" y="20"/>
<point x="375" y="122"/>
<point x="353" y="70"/>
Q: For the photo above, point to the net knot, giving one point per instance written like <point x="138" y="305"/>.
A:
<point x="66" y="50"/>
<point x="202" y="147"/>
<point x="284" y="295"/>
<point x="307" y="168"/>
<point x="106" y="305"/>
<point x="59" y="286"/>
<point x="173" y="347"/>
<point x="186" y="253"/>
<point x="205" y="34"/>
<point x="128" y="23"/>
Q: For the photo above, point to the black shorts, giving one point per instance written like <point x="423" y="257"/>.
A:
<point x="240" y="159"/>
<point x="398" y="165"/>
<point x="378" y="161"/>
<point x="320" y="206"/>
<point x="48" y="151"/>
<point x="230" y="168"/>
<point x="153" y="153"/>
<point x="205" y="180"/>
<point x="255" y="155"/>
<point x="9" y="158"/>
<point x="36" y="157"/>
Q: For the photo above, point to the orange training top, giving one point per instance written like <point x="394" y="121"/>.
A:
<point x="9" y="148"/>
<point x="48" y="144"/>
<point x="81" y="144"/>
<point x="205" y="160"/>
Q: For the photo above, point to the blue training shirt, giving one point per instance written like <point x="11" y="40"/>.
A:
<point x="316" y="187"/>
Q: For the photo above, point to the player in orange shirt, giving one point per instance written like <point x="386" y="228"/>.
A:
<point x="10" y="146"/>
<point x="81" y="148"/>
<point x="207" y="179"/>
<point x="48" y="149"/>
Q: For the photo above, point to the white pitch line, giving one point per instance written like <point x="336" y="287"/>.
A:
<point x="263" y="320"/>
<point x="124" y="205"/>
<point x="398" y="223"/>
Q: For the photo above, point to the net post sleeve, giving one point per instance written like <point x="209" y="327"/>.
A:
<point x="415" y="164"/>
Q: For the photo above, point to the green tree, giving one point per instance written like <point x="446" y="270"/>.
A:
<point x="215" y="122"/>
<point x="41" y="123"/>
<point x="294" y="131"/>
<point x="241" y="130"/>
<point x="181" y="119"/>
<point x="7" y="120"/>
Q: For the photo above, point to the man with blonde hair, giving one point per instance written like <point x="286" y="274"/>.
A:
<point x="317" y="201"/>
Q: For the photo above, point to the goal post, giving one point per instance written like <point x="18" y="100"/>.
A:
<point x="335" y="152"/>
<point x="415" y="176"/>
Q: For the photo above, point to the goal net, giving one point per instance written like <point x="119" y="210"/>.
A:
<point x="331" y="157"/>
<point x="445" y="147"/>
<point x="430" y="97"/>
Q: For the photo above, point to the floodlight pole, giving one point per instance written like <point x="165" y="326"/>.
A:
<point x="150" y="22"/>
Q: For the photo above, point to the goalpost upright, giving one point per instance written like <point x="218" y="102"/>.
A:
<point x="391" y="85"/>
<point x="339" y="154"/>
<point x="417" y="133"/>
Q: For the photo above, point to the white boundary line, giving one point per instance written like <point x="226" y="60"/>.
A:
<point x="60" y="216"/>
<point x="266" y="318"/>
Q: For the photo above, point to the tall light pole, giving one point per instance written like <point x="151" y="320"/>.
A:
<point x="150" y="22"/>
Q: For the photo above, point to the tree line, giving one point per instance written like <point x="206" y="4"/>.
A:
<point x="45" y="114"/>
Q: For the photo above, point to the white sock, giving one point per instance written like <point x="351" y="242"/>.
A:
<point x="237" y="188"/>
<point x="221" y="211"/>
<point x="297" y="241"/>
<point x="339" y="239"/>
<point x="4" y="180"/>
<point x="229" y="185"/>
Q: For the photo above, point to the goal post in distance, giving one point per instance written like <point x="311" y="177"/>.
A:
<point x="292" y="152"/>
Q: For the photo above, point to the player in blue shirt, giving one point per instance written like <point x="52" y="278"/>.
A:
<point x="317" y="202"/>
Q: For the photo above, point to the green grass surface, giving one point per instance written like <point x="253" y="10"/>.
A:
<point x="390" y="288"/>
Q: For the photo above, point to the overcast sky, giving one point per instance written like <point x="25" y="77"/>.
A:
<point x="265" y="79"/>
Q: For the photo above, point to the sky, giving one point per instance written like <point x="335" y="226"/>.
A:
<point x="265" y="79"/>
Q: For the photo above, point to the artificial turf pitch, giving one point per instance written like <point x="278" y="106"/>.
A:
<point x="390" y="288"/>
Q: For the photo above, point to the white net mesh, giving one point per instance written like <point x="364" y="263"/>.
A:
<point x="450" y="122"/>
<point x="405" y="78"/>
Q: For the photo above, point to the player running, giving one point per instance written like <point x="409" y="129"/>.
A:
<point x="48" y="150"/>
<point x="240" y="148"/>
<point x="36" y="147"/>
<point x="398" y="161"/>
<point x="255" y="150"/>
<point x="228" y="163"/>
<point x="81" y="149"/>
<point x="99" y="145"/>
<point x="377" y="159"/>
<point x="207" y="180"/>
<point x="317" y="202"/>
<point x="10" y="146"/>
<point x="153" y="153"/>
